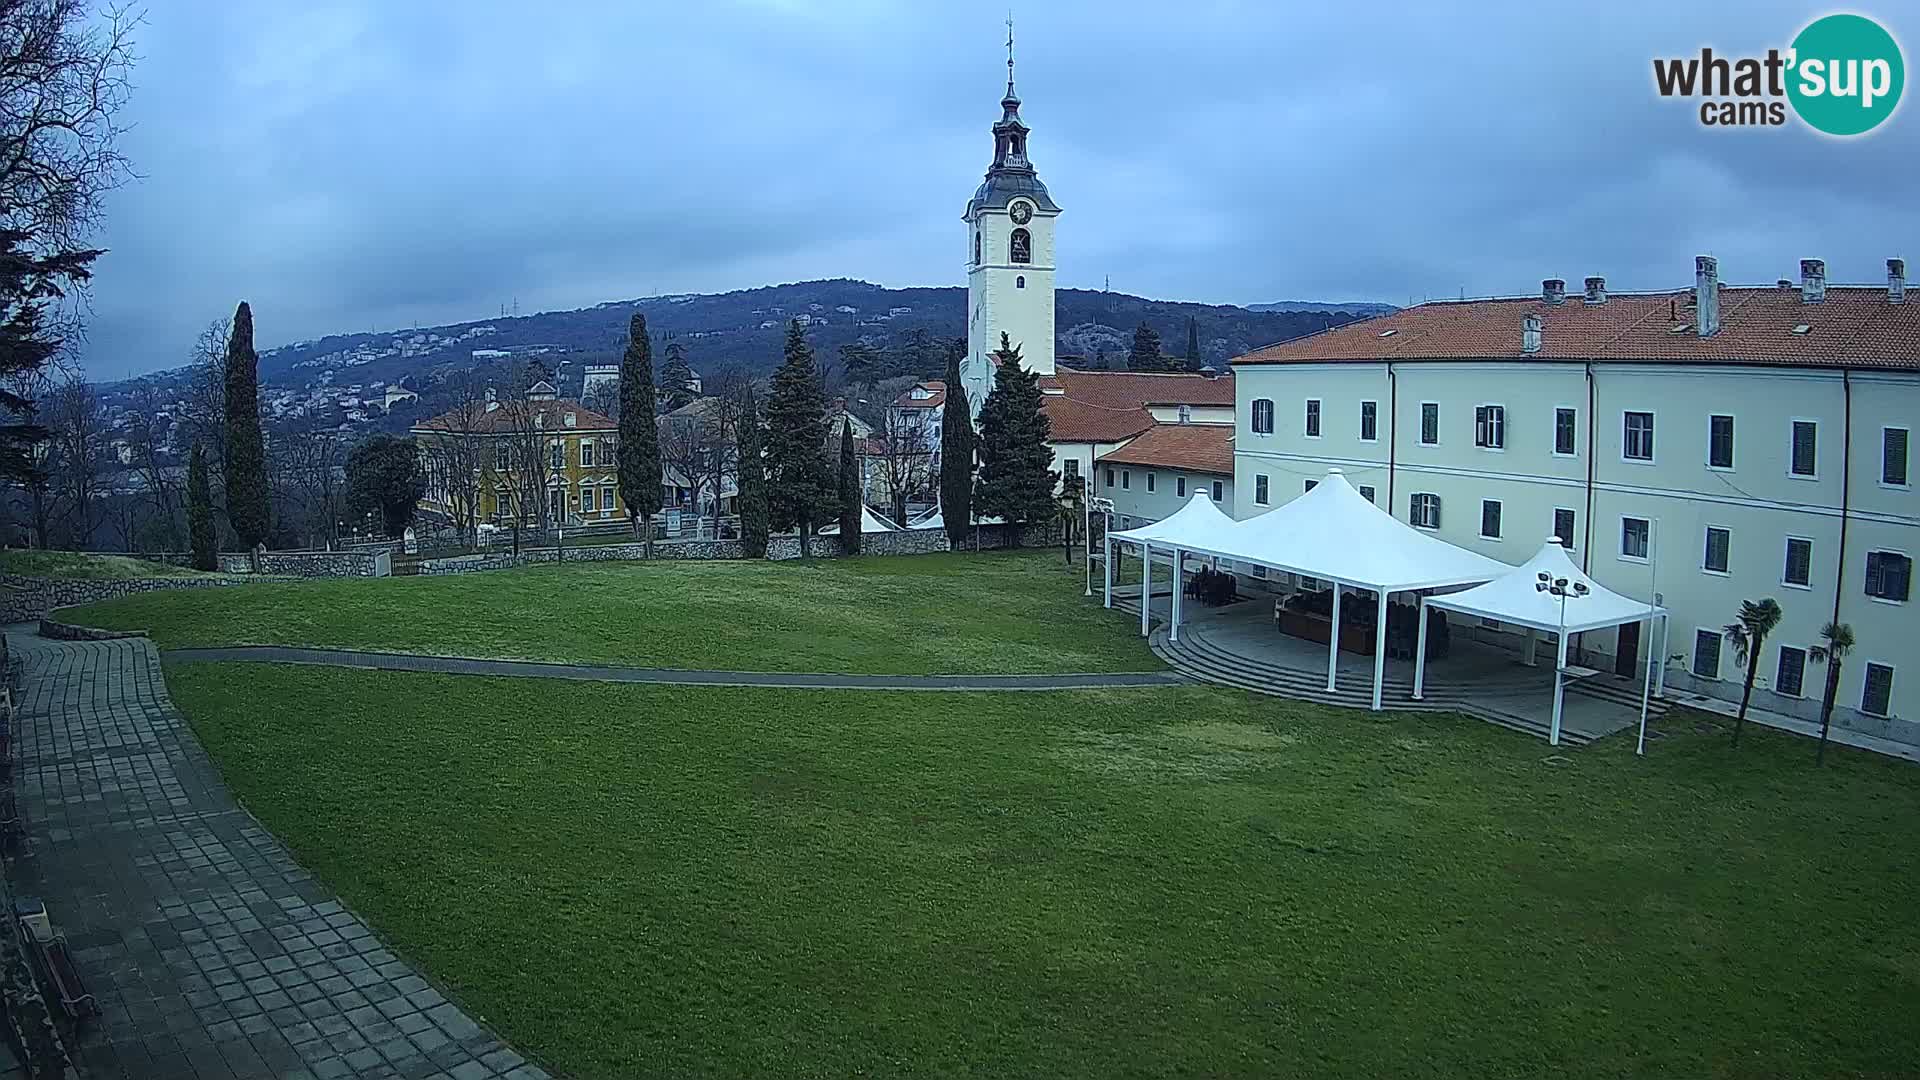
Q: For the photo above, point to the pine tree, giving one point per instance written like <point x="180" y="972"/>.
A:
<point x="800" y="487"/>
<point x="753" y="478"/>
<point x="638" y="452"/>
<point x="1016" y="481"/>
<point x="676" y="379"/>
<point x="956" y="453"/>
<point x="200" y="512"/>
<point x="852" y="507"/>
<point x="246" y="477"/>
<point x="1145" y="354"/>
<point x="1194" y="363"/>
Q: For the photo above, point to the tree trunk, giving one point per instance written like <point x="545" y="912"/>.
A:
<point x="1826" y="710"/>
<point x="1746" y="695"/>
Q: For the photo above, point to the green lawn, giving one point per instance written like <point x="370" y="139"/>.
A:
<point x="639" y="881"/>
<point x="88" y="566"/>
<point x="1017" y="612"/>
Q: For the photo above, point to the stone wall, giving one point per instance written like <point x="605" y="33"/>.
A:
<point x="25" y="599"/>
<point x="903" y="542"/>
<point x="662" y="549"/>
<point x="296" y="564"/>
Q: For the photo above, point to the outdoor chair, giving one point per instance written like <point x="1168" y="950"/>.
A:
<point x="55" y="962"/>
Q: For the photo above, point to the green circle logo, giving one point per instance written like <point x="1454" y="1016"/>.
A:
<point x="1847" y="74"/>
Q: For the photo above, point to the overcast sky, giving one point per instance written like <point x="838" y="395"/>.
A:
<point x="366" y="164"/>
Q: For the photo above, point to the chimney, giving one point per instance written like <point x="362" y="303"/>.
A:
<point x="1784" y="283"/>
<point x="1813" y="280"/>
<point x="1554" y="290"/>
<point x="1706" y="294"/>
<point x="1596" y="290"/>
<point x="1209" y="372"/>
<point x="1896" y="280"/>
<point x="1530" y="334"/>
<point x="492" y="403"/>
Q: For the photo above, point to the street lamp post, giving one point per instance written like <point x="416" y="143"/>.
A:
<point x="1104" y="507"/>
<point x="1563" y="589"/>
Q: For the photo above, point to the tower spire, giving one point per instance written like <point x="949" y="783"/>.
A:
<point x="1010" y="92"/>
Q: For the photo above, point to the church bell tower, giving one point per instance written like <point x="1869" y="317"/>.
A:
<point x="1009" y="255"/>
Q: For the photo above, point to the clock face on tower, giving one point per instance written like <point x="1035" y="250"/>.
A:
<point x="1021" y="212"/>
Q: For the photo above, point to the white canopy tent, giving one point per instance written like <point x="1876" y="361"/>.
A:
<point x="1334" y="533"/>
<point x="1537" y="595"/>
<point x="1184" y="529"/>
<point x="870" y="522"/>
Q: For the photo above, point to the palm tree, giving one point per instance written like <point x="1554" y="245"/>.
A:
<point x="1757" y="620"/>
<point x="1839" y="642"/>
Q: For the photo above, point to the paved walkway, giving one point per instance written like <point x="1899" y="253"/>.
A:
<point x="213" y="955"/>
<point x="455" y="665"/>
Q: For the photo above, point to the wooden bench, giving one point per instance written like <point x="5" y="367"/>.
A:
<point x="55" y="962"/>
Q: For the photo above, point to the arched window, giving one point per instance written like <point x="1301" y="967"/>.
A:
<point x="976" y="247"/>
<point x="1022" y="246"/>
<point x="1262" y="416"/>
<point x="1020" y="282"/>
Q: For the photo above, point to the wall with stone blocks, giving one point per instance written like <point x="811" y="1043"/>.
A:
<point x="296" y="564"/>
<point x="25" y="599"/>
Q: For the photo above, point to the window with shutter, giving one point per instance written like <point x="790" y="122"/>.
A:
<point x="1876" y="696"/>
<point x="1889" y="575"/>
<point x="1799" y="569"/>
<point x="1718" y="542"/>
<point x="1720" y="442"/>
<point x="1369" y="421"/>
<point x="1806" y="447"/>
<point x="1430" y="423"/>
<point x="1893" y="456"/>
<point x="1706" y="653"/>
<point x="1563" y="520"/>
<point x="1563" y="442"/>
<point x="1313" y="418"/>
<point x="1790" y="676"/>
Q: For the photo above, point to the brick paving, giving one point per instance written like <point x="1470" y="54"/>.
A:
<point x="213" y="954"/>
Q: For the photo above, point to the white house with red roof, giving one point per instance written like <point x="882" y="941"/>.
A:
<point x="1697" y="446"/>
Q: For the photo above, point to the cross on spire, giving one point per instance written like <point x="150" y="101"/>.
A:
<point x="1009" y="54"/>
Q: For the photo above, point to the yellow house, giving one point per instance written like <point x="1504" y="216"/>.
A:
<point x="577" y="470"/>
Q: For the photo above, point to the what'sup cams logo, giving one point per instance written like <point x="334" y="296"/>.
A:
<point x="1842" y="76"/>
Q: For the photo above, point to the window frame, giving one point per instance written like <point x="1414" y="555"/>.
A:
<point x="1572" y="414"/>
<point x="1905" y="483"/>
<point x="1490" y="420"/>
<point x="1779" y="667"/>
<point x="1786" y="563"/>
<point x="1369" y="417"/>
<point x="1179" y="487"/>
<point x="1883" y="597"/>
<point x="1126" y="479"/>
<point x="1219" y="491"/>
<point x="1573" y="525"/>
<point x="1653" y="427"/>
<point x="1253" y="416"/>
<point x="1866" y="685"/>
<point x="1647" y="541"/>
<point x="1424" y="406"/>
<point x="586" y="453"/>
<point x="1109" y="470"/>
<point x="1151" y="478"/>
<point x="1309" y="486"/>
<point x="1732" y="450"/>
<point x="1719" y="639"/>
<point x="1499" y="514"/>
<point x="1726" y="552"/>
<point x="1793" y="448"/>
<point x="1262" y="490"/>
<point x="1311" y="420"/>
<point x="1368" y="493"/>
<point x="1415" y="516"/>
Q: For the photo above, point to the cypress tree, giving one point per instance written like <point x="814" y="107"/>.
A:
<point x="200" y="512"/>
<point x="753" y="478"/>
<point x="246" y="477"/>
<point x="638" y="454"/>
<point x="800" y="487"/>
<point x="956" y="453"/>
<point x="1193" y="344"/>
<point x="851" y="505"/>
<point x="1016" y="481"/>
<point x="1145" y="354"/>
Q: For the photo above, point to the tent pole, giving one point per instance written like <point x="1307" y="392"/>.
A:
<point x="1559" y="677"/>
<point x="1106" y="569"/>
<point x="1146" y="585"/>
<point x="1380" y="651"/>
<point x="1173" y="625"/>
<point x="1420" y="654"/>
<point x="1333" y="639"/>
<point x="1646" y="689"/>
<point x="1533" y="640"/>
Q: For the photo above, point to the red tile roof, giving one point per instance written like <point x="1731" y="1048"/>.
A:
<point x="1206" y="448"/>
<point x="906" y="400"/>
<point x="1109" y="406"/>
<point x="501" y="421"/>
<point x="1855" y="326"/>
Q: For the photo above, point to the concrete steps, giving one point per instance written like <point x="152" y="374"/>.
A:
<point x="1193" y="657"/>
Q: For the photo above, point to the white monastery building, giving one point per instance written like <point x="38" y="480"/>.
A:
<point x="1706" y="446"/>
